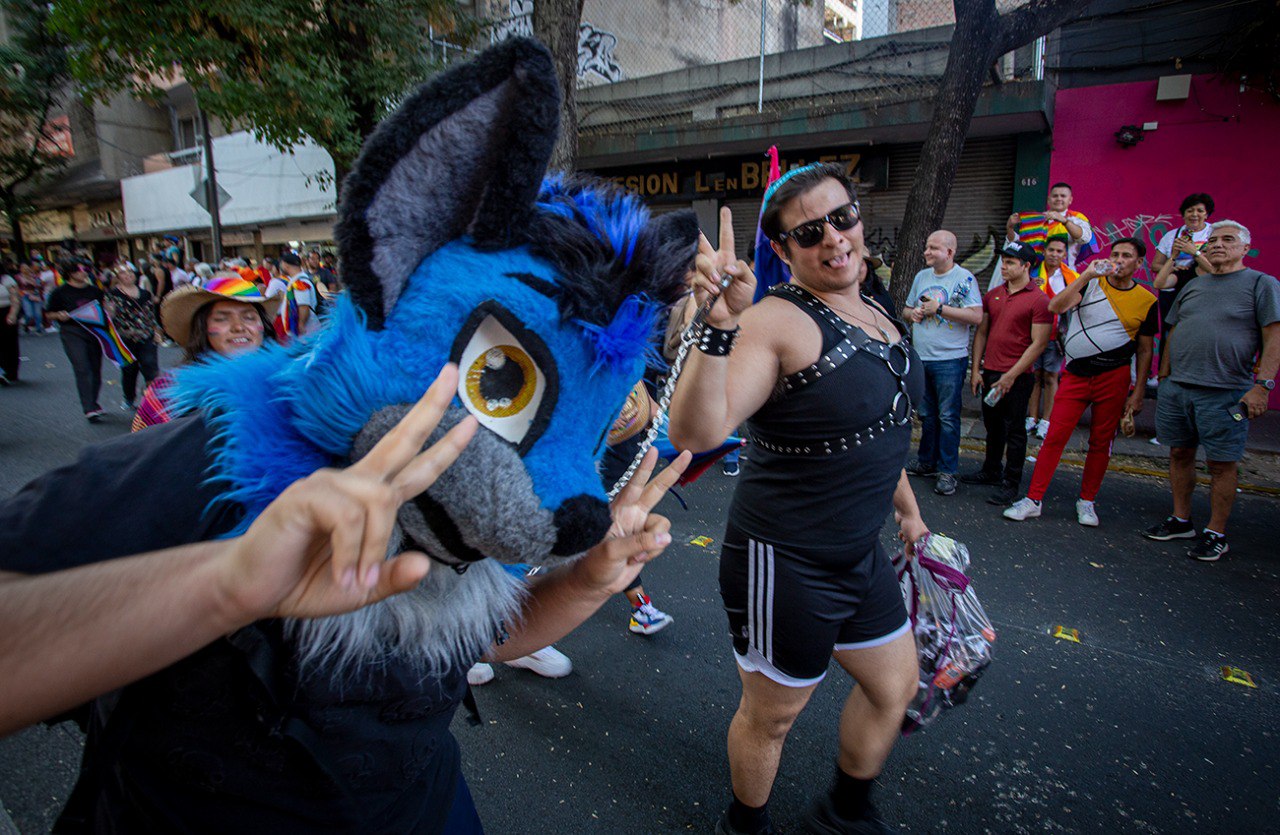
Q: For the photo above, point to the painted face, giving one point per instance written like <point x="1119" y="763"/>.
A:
<point x="1055" y="252"/>
<point x="835" y="262"/>
<point x="936" y="251"/>
<point x="1013" y="269"/>
<point x="1195" y="217"/>
<point x="233" y="328"/>
<point x="1059" y="199"/>
<point x="1225" y="246"/>
<point x="1126" y="260"/>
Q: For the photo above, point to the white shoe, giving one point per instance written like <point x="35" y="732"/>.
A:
<point x="480" y="673"/>
<point x="547" y="662"/>
<point x="1155" y="441"/>
<point x="1031" y="423"/>
<point x="1085" y="514"/>
<point x="1042" y="429"/>
<point x="1022" y="510"/>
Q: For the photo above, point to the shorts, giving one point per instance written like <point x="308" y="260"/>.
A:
<point x="1190" y="416"/>
<point x="1050" y="359"/>
<point x="789" y="610"/>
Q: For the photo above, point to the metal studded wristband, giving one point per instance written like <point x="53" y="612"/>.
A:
<point x="716" y="342"/>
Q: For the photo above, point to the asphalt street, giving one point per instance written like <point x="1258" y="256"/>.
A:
<point x="1132" y="729"/>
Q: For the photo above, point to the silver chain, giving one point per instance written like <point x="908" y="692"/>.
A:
<point x="668" y="389"/>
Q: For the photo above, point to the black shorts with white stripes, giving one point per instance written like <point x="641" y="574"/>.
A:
<point x="790" y="609"/>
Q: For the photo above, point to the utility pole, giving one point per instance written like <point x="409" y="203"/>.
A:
<point x="211" y="189"/>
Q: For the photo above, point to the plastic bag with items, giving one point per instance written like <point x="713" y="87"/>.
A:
<point x="953" y="635"/>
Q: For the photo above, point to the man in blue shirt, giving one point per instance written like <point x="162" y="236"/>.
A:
<point x="943" y="305"/>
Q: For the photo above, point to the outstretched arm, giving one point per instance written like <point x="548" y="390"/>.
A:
<point x="562" y="600"/>
<point x="319" y="549"/>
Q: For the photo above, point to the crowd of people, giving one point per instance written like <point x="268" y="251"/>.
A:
<point x="826" y="379"/>
<point x="1056" y="338"/>
<point x="40" y="297"/>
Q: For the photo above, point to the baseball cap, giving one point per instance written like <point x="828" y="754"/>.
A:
<point x="1020" y="250"/>
<point x="291" y="258"/>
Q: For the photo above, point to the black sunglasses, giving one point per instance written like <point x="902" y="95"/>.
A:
<point x="810" y="232"/>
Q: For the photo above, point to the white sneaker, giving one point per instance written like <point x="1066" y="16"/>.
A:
<point x="1031" y="423"/>
<point x="1085" y="514"/>
<point x="547" y="662"/>
<point x="480" y="673"/>
<point x="1042" y="429"/>
<point x="647" y="619"/>
<point x="1022" y="510"/>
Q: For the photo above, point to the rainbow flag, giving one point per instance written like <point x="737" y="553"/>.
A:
<point x="1034" y="229"/>
<point x="769" y="268"/>
<point x="93" y="318"/>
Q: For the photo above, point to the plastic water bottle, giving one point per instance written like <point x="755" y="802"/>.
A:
<point x="993" y="396"/>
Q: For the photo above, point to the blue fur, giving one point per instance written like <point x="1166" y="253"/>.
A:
<point x="617" y="218"/>
<point x="629" y="334"/>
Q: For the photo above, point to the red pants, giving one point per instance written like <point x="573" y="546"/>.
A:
<point x="1106" y="393"/>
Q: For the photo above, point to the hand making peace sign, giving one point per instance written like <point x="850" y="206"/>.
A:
<point x="637" y="535"/>
<point x="713" y="266"/>
<point x="321" y="547"/>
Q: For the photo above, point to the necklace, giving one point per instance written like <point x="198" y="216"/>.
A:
<point x="875" y="323"/>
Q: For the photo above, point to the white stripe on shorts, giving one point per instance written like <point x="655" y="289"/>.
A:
<point x="760" y="576"/>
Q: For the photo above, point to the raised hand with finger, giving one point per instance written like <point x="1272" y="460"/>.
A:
<point x="719" y="274"/>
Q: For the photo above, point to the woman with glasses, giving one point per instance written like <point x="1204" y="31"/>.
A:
<point x="825" y="380"/>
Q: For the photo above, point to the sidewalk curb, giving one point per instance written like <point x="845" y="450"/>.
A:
<point x="7" y="826"/>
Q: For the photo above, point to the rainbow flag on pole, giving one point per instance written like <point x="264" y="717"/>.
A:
<point x="93" y="318"/>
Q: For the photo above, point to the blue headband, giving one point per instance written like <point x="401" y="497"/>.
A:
<point x="768" y="194"/>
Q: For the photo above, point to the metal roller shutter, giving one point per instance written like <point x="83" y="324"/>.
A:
<point x="746" y="214"/>
<point x="981" y="200"/>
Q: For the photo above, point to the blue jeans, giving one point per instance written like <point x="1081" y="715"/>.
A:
<point x="940" y="414"/>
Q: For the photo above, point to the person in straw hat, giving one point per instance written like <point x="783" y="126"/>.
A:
<point x="228" y="316"/>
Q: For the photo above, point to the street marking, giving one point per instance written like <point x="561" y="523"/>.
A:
<point x="1062" y="633"/>
<point x="701" y="541"/>
<point x="1235" y="675"/>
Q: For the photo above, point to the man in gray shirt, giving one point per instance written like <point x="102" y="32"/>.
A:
<point x="943" y="305"/>
<point x="1208" y="386"/>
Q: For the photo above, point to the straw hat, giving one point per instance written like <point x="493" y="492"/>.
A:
<point x="179" y="308"/>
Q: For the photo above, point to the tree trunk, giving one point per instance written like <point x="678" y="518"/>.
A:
<point x="555" y="23"/>
<point x="980" y="37"/>
<point x="967" y="64"/>
<point x="15" y="226"/>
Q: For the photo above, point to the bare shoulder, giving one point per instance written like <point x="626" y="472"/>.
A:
<point x="784" y="330"/>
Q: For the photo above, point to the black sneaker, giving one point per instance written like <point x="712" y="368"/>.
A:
<point x="1006" y="495"/>
<point x="1171" y="528"/>
<point x="1209" y="548"/>
<point x="916" y="468"/>
<point x="980" y="477"/>
<point x="823" y="820"/>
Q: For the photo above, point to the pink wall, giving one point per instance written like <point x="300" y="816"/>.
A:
<point x="1220" y="140"/>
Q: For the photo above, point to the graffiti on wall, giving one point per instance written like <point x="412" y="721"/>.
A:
<point x="595" y="46"/>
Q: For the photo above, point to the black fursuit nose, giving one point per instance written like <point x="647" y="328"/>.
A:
<point x="581" y="522"/>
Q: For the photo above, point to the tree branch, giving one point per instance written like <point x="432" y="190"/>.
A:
<point x="1026" y="23"/>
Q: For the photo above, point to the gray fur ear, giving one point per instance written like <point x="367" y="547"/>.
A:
<point x="465" y="153"/>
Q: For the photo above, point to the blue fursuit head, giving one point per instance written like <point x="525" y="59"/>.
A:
<point x="547" y="291"/>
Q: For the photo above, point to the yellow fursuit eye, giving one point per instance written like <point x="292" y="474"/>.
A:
<point x="501" y="381"/>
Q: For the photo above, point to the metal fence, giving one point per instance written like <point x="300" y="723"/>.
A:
<point x="649" y="63"/>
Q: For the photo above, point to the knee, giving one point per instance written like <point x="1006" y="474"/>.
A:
<point x="766" y="721"/>
<point x="1182" y="455"/>
<point x="1217" y="469"/>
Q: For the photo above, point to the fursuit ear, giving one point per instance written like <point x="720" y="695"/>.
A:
<point x="465" y="153"/>
<point x="666" y="251"/>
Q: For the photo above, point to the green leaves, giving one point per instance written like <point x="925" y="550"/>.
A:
<point x="285" y="69"/>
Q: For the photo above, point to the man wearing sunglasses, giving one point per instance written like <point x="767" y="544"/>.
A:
<point x="826" y="381"/>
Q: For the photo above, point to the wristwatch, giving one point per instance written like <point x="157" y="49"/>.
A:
<point x="1269" y="385"/>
